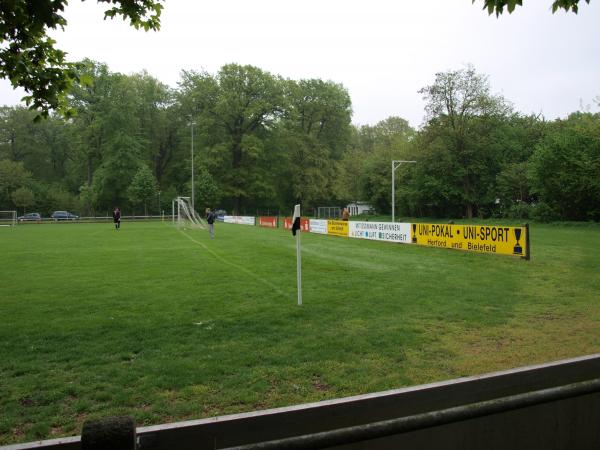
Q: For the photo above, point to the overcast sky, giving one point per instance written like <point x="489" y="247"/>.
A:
<point x="382" y="51"/>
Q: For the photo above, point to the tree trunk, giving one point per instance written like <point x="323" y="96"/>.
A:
<point x="469" y="211"/>
<point x="467" y="188"/>
<point x="90" y="170"/>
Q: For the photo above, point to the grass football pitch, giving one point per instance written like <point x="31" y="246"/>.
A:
<point x="169" y="325"/>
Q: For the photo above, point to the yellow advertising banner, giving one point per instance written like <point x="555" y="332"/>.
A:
<point x="473" y="238"/>
<point x="337" y="227"/>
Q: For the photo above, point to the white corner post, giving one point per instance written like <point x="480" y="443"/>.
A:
<point x="297" y="217"/>
<point x="395" y="164"/>
<point x="299" y="266"/>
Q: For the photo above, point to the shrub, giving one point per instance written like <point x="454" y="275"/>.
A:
<point x="542" y="212"/>
<point x="520" y="210"/>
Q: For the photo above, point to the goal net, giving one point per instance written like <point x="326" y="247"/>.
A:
<point x="329" y="212"/>
<point x="185" y="216"/>
<point x="8" y="218"/>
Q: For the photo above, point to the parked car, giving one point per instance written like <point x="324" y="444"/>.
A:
<point x="220" y="214"/>
<point x="30" y="217"/>
<point x="64" y="215"/>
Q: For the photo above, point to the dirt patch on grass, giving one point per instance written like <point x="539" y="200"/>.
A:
<point x="534" y="338"/>
<point x="26" y="402"/>
<point x="319" y="385"/>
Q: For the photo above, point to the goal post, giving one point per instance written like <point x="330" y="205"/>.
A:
<point x="329" y="212"/>
<point x="184" y="215"/>
<point x="8" y="218"/>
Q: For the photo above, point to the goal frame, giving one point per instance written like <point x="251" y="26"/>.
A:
<point x="329" y="212"/>
<point x="8" y="218"/>
<point x="185" y="214"/>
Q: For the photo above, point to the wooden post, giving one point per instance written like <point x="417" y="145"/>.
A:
<point x="115" y="433"/>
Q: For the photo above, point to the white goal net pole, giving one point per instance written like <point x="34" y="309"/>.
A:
<point x="178" y="213"/>
<point x="8" y="218"/>
<point x="186" y="215"/>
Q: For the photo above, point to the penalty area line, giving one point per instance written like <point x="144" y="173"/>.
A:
<point x="234" y="265"/>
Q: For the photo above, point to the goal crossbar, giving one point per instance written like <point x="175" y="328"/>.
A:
<point x="184" y="215"/>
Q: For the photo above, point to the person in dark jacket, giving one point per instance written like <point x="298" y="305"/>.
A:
<point x="117" y="218"/>
<point x="210" y="219"/>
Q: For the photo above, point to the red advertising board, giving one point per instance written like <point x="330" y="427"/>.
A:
<point x="269" y="222"/>
<point x="304" y="224"/>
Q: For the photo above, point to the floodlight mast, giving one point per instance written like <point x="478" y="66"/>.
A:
<point x="192" y="123"/>
<point x="395" y="164"/>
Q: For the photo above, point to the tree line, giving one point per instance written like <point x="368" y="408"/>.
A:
<point x="264" y="142"/>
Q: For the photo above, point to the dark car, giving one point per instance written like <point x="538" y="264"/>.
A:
<point x="30" y="217"/>
<point x="64" y="215"/>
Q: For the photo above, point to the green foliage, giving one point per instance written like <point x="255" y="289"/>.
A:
<point x="367" y="165"/>
<point x="497" y="6"/>
<point x="23" y="197"/>
<point x="261" y="142"/>
<point x="521" y="211"/>
<point x="142" y="188"/>
<point x="29" y="58"/>
<point x="59" y="198"/>
<point x="13" y="176"/>
<point x="86" y="197"/>
<point x="543" y="213"/>
<point x="141" y="13"/>
<point x="462" y="118"/>
<point x="432" y="186"/>
<point x="513" y="184"/>
<point x="207" y="190"/>
<point x="349" y="182"/>
<point x="119" y="166"/>
<point x="238" y="107"/>
<point x="565" y="167"/>
<point x="314" y="135"/>
<point x="492" y="161"/>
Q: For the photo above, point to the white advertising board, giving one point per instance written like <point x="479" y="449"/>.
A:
<point x="318" y="226"/>
<point x="240" y="220"/>
<point x="381" y="231"/>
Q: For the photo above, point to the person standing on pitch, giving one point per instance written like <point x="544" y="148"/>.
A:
<point x="210" y="219"/>
<point x="117" y="218"/>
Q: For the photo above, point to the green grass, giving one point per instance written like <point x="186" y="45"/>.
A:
<point x="168" y="325"/>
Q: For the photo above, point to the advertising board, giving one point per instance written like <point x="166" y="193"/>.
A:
<point x="337" y="227"/>
<point x="240" y="220"/>
<point x="474" y="238"/>
<point x="318" y="226"/>
<point x="267" y="221"/>
<point x="304" y="224"/>
<point x="381" y="231"/>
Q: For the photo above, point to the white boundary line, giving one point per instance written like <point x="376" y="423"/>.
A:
<point x="236" y="266"/>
